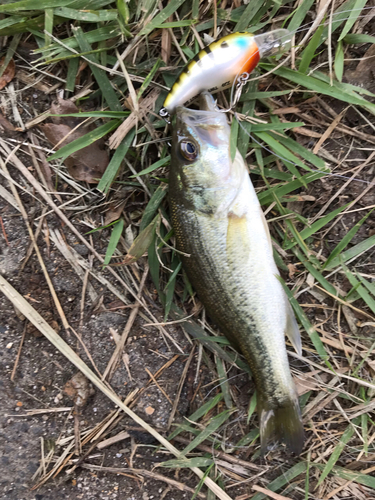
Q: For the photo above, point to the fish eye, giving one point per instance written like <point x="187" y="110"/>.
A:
<point x="188" y="150"/>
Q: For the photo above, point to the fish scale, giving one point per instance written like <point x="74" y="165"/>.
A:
<point x="219" y="223"/>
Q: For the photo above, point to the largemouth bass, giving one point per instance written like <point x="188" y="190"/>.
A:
<point x="218" y="221"/>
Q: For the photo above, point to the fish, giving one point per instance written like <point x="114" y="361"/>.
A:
<point x="226" y="252"/>
<point x="217" y="66"/>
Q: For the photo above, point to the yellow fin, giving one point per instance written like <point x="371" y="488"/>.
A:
<point x="292" y="330"/>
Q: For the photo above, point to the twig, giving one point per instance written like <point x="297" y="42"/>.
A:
<point x="36" y="248"/>
<point x="221" y="454"/>
<point x="18" y="354"/>
<point x="111" y="367"/>
<point x="4" y="232"/>
<point x="179" y="389"/>
<point x="144" y="472"/>
<point x="158" y="385"/>
<point x="269" y="493"/>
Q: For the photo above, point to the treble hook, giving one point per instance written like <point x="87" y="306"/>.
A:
<point x="241" y="81"/>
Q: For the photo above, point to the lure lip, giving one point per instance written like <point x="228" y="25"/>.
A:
<point x="273" y="42"/>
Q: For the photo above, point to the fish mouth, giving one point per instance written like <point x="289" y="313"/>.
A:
<point x="207" y="123"/>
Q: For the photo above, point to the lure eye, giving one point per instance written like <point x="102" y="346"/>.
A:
<point x="188" y="150"/>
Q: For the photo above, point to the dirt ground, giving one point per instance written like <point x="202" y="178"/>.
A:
<point x="42" y="372"/>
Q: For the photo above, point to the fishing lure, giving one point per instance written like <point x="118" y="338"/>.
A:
<point x="222" y="63"/>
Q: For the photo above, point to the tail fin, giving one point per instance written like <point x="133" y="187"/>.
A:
<point x="281" y="424"/>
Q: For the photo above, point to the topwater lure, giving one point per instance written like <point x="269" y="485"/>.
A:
<point x="223" y="63"/>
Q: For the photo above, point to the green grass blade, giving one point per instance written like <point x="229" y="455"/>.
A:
<point x="370" y="286"/>
<point x="250" y="11"/>
<point x="311" y="83"/>
<point x="154" y="166"/>
<point x="85" y="140"/>
<point x="177" y="24"/>
<point x="252" y="406"/>
<point x="349" y="475"/>
<point x="111" y="171"/>
<point x="245" y="127"/>
<point x="201" y="412"/>
<point x="339" y="62"/>
<point x="299" y="15"/>
<point x="33" y="5"/>
<point x="187" y="462"/>
<point x="10" y="21"/>
<point x="10" y="53"/>
<point x="250" y="96"/>
<point x="101" y="78"/>
<point x="361" y="290"/>
<point x="313" y="334"/>
<point x="213" y="425"/>
<point x="269" y="127"/>
<point x="160" y="18"/>
<point x="297" y="148"/>
<point x="153" y="205"/>
<point x="142" y="242"/>
<point x="285" y="478"/>
<point x="98" y="114"/>
<point x="317" y="225"/>
<point x="353" y="252"/>
<point x="197" y="332"/>
<point x="171" y="285"/>
<point x="316" y="274"/>
<point x="309" y="53"/>
<point x="353" y="16"/>
<point x="354" y="39"/>
<point x="48" y="25"/>
<point x="90" y="16"/>
<point x="282" y="152"/>
<point x="113" y="241"/>
<point x="148" y="78"/>
<point x="345" y="438"/>
<point x="345" y="241"/>
<point x="73" y="66"/>
<point x="267" y="196"/>
<point x="224" y="384"/>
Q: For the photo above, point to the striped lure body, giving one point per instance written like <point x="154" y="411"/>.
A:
<point x="220" y="64"/>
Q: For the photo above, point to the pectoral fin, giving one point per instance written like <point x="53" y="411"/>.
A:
<point x="292" y="330"/>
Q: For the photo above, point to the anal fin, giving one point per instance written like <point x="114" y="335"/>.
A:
<point x="291" y="329"/>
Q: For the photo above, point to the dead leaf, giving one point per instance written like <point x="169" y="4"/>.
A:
<point x="8" y="74"/>
<point x="33" y="80"/>
<point x="4" y="124"/>
<point x="364" y="74"/>
<point x="292" y="270"/>
<point x="305" y="383"/>
<point x="149" y="410"/>
<point x="65" y="107"/>
<point x="140" y="245"/>
<point x="114" y="212"/>
<point x="78" y="389"/>
<point x="144" y="108"/>
<point x="87" y="164"/>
